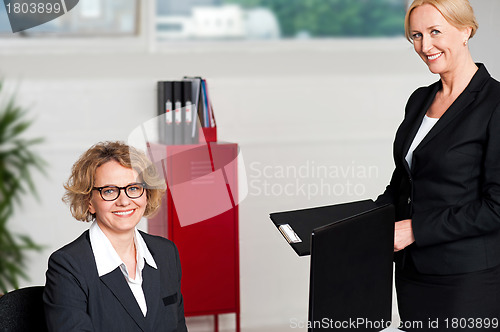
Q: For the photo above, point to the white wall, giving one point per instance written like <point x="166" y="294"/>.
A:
<point x="303" y="105"/>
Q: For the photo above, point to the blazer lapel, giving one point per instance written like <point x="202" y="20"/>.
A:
<point x="117" y="284"/>
<point x="466" y="98"/>
<point x="151" y="288"/>
<point x="416" y="120"/>
<point x="459" y="105"/>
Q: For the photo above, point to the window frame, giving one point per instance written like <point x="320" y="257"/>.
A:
<point x="82" y="43"/>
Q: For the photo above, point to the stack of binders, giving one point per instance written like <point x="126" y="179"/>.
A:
<point x="185" y="112"/>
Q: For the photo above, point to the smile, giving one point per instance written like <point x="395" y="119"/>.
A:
<point x="124" y="213"/>
<point x="434" y="56"/>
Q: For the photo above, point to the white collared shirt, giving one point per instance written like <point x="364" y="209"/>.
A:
<point x="107" y="260"/>
<point x="425" y="127"/>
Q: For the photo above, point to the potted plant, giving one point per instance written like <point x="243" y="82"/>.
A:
<point x="17" y="162"/>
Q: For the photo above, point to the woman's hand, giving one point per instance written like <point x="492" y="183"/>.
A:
<point x="403" y="234"/>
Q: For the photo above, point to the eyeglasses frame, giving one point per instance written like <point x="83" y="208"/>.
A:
<point x="99" y="189"/>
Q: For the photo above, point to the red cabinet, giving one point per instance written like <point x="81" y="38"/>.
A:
<point x="200" y="215"/>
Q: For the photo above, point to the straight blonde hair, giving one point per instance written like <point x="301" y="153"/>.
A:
<point x="458" y="13"/>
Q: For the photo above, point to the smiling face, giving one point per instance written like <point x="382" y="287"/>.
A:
<point x="123" y="214"/>
<point x="439" y="44"/>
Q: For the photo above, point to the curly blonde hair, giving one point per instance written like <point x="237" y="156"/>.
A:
<point x="80" y="183"/>
<point x="458" y="13"/>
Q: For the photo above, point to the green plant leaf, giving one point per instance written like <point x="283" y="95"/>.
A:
<point x="17" y="163"/>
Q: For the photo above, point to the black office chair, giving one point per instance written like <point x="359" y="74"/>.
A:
<point x="22" y="311"/>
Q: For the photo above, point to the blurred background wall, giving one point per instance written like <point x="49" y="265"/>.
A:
<point x="297" y="103"/>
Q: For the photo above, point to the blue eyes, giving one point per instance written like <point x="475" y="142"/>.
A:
<point x="111" y="191"/>
<point x="133" y="189"/>
<point x="418" y="35"/>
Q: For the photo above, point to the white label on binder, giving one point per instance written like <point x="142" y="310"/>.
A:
<point x="289" y="233"/>
<point x="168" y="110"/>
<point x="189" y="114"/>
<point x="178" y="114"/>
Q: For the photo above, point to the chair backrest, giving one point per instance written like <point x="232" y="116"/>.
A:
<point x="22" y="310"/>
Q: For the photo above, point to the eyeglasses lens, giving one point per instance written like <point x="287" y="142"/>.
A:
<point x="132" y="191"/>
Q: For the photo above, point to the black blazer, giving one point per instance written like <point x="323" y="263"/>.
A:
<point x="76" y="299"/>
<point x="452" y="192"/>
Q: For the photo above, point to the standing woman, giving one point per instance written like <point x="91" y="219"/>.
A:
<point x="446" y="184"/>
<point x="114" y="277"/>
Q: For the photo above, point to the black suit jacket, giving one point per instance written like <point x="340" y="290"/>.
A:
<point x="76" y="299"/>
<point x="452" y="191"/>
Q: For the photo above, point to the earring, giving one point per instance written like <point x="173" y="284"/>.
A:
<point x="465" y="42"/>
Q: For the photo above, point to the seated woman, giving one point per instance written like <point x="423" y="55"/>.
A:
<point x="114" y="277"/>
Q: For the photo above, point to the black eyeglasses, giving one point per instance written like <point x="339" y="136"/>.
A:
<point x="111" y="193"/>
